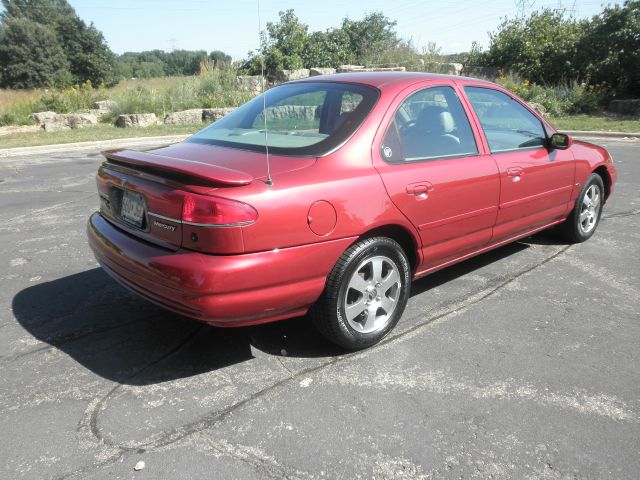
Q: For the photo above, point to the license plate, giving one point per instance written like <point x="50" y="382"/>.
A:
<point x="133" y="207"/>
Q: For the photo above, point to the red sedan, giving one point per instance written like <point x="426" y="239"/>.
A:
<point x="331" y="194"/>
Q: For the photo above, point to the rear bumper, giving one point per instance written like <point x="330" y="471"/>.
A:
<point x="222" y="290"/>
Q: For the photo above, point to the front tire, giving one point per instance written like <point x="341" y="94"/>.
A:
<point x="583" y="220"/>
<point x="365" y="295"/>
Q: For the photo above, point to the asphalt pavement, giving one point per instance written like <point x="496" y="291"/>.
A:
<point x="520" y="363"/>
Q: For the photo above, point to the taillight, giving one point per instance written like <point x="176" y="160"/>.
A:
<point x="216" y="211"/>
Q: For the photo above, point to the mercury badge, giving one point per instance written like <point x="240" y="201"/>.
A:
<point x="166" y="226"/>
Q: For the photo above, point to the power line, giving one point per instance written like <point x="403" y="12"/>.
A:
<point x="522" y="6"/>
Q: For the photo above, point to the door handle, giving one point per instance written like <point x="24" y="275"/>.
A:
<point x="419" y="188"/>
<point x="515" y="173"/>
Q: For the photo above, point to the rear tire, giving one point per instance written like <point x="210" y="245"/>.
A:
<point x="365" y="295"/>
<point x="585" y="216"/>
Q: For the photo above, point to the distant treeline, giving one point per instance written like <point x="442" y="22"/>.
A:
<point x="158" y="63"/>
<point x="45" y="43"/>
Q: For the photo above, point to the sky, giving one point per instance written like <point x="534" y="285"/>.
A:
<point x="232" y="25"/>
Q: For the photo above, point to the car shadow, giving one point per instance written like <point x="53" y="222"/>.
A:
<point x="119" y="336"/>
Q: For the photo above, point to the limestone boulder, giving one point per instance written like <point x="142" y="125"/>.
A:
<point x="350" y="68"/>
<point x="251" y="83"/>
<point x="538" y="108"/>
<point x="136" y="120"/>
<point x="625" y="107"/>
<point x="360" y="68"/>
<point x="41" y="117"/>
<point x="104" y="106"/>
<point x="213" y="114"/>
<point x="289" y="75"/>
<point x="69" y="121"/>
<point x="314" y="72"/>
<point x="193" y="115"/>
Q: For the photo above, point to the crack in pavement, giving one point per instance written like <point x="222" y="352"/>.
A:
<point x="89" y="421"/>
<point x="628" y="213"/>
<point x="38" y="211"/>
<point x="213" y="418"/>
<point x="61" y="340"/>
<point x="94" y="413"/>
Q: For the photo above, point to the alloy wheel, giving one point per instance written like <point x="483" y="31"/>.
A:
<point x="590" y="209"/>
<point x="372" y="294"/>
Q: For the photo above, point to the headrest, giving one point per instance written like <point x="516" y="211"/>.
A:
<point x="429" y="119"/>
<point x="446" y="121"/>
<point x="435" y="120"/>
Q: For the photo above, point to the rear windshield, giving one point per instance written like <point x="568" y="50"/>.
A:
<point x="302" y="119"/>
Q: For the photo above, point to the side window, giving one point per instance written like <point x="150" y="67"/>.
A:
<point x="429" y="124"/>
<point x="506" y="123"/>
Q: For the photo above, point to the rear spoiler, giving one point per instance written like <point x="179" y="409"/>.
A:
<point x="206" y="172"/>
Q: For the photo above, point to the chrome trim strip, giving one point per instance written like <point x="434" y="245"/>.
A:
<point x="237" y="224"/>
<point x="162" y="217"/>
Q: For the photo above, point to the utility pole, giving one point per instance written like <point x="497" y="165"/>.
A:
<point x="522" y="6"/>
<point x="565" y="9"/>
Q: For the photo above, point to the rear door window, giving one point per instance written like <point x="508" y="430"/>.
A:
<point x="429" y="124"/>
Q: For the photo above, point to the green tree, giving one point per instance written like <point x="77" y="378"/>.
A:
<point x="542" y="48"/>
<point x="475" y="56"/>
<point x="184" y="62"/>
<point x="282" y="46"/>
<point x="88" y="57"/>
<point x="30" y="55"/>
<point x="328" y="49"/>
<point x="287" y="44"/>
<point x="610" y="49"/>
<point x="220" y="59"/>
<point x="369" y="36"/>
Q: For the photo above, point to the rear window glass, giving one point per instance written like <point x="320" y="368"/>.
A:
<point x="306" y="119"/>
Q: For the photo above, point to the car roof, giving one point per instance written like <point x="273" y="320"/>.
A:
<point x="382" y="79"/>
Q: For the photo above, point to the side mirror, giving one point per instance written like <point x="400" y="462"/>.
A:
<point x="560" y="141"/>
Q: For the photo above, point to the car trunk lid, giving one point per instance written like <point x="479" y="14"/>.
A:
<point x="144" y="192"/>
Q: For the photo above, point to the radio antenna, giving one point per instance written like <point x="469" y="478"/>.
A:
<point x="264" y="100"/>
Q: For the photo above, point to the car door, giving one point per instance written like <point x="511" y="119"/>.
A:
<point x="535" y="181"/>
<point x="429" y="161"/>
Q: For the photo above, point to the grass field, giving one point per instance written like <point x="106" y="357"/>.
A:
<point x="100" y="132"/>
<point x="211" y="89"/>
<point x="109" y="132"/>
<point x="596" y="123"/>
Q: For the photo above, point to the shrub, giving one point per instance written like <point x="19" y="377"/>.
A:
<point x="562" y="99"/>
<point x="212" y="88"/>
<point x="73" y="99"/>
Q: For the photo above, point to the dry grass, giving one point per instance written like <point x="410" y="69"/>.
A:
<point x="216" y="88"/>
<point x="16" y="105"/>
<point x="162" y="83"/>
<point x="12" y="97"/>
